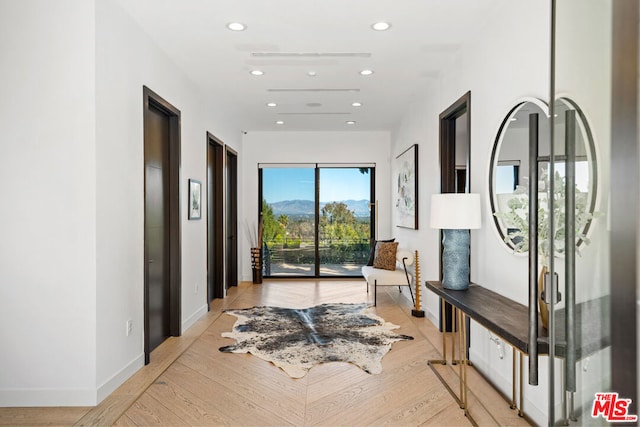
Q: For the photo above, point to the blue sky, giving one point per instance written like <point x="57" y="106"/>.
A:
<point x="336" y="184"/>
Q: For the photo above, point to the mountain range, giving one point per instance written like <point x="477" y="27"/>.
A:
<point x="360" y="208"/>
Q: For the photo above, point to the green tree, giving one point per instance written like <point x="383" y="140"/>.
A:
<point x="283" y="220"/>
<point x="337" y="222"/>
<point x="272" y="230"/>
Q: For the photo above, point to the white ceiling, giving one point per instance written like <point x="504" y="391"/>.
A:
<point x="424" y="38"/>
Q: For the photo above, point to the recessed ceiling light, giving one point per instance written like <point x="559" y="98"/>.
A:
<point x="356" y="104"/>
<point x="236" y="26"/>
<point x="312" y="73"/>
<point x="279" y="122"/>
<point x="381" y="26"/>
<point x="350" y="122"/>
<point x="257" y="72"/>
<point x="271" y="104"/>
<point x="366" y="72"/>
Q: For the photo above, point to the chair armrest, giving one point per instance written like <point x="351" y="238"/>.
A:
<point x="406" y="255"/>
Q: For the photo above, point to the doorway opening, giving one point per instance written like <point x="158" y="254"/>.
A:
<point x="455" y="165"/>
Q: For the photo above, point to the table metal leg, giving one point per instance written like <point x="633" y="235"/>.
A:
<point x="458" y="316"/>
<point x="454" y="332"/>
<point x="463" y="348"/>
<point x="513" y="379"/>
<point x="521" y="409"/>
<point x="442" y="361"/>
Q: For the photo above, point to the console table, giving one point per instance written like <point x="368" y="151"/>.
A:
<point x="509" y="320"/>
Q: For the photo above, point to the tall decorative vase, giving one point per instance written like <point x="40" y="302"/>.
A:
<point x="544" y="307"/>
<point x="256" y="265"/>
<point x="455" y="259"/>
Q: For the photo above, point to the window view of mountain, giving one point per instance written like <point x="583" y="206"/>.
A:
<point x="360" y="208"/>
<point x="300" y="238"/>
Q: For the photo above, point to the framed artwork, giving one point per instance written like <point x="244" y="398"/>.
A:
<point x="407" y="188"/>
<point x="195" y="205"/>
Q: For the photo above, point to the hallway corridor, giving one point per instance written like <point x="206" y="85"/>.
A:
<point x="189" y="382"/>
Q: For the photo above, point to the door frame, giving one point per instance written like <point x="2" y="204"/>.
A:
<point x="624" y="201"/>
<point x="174" y="266"/>
<point x="215" y="219"/>
<point x="231" y="218"/>
<point x="371" y="166"/>
<point x="448" y="168"/>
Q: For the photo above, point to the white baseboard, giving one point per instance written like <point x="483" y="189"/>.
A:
<point x="503" y="383"/>
<point x="42" y="397"/>
<point x="187" y="323"/>
<point x="119" y="378"/>
<point x="39" y="397"/>
<point x="433" y="317"/>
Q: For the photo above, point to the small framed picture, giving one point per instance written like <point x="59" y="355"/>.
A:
<point x="195" y="205"/>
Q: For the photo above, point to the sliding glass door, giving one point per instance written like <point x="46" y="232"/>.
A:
<point x="288" y="216"/>
<point x="317" y="219"/>
<point x="592" y="374"/>
<point x="344" y="232"/>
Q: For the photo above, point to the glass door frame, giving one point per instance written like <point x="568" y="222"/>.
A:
<point x="623" y="210"/>
<point x="317" y="167"/>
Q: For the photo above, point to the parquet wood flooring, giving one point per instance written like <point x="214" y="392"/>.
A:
<point x="190" y="382"/>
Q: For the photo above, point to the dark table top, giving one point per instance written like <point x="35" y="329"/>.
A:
<point x="510" y="319"/>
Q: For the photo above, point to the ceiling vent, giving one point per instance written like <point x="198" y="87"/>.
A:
<point x="311" y="54"/>
<point x="313" y="90"/>
<point x="314" y="114"/>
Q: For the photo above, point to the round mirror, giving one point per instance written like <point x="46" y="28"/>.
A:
<point x="508" y="178"/>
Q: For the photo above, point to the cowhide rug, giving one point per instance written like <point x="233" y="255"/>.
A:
<point x="297" y="339"/>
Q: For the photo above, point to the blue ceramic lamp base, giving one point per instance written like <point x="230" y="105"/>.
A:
<point x="455" y="259"/>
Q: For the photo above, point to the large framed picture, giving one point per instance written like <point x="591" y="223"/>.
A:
<point x="407" y="188"/>
<point x="195" y="205"/>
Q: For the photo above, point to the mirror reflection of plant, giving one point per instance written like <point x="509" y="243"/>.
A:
<point x="517" y="217"/>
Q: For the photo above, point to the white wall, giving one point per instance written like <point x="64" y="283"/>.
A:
<point x="310" y="147"/>
<point x="48" y="213"/>
<point x="507" y="59"/>
<point x="126" y="59"/>
<point x="71" y="169"/>
<point x="420" y="126"/>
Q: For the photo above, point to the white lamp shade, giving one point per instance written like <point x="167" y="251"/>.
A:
<point x="455" y="211"/>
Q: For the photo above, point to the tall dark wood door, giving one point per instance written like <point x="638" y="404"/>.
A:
<point x="162" y="247"/>
<point x="232" y="218"/>
<point x="156" y="224"/>
<point x="215" y="225"/>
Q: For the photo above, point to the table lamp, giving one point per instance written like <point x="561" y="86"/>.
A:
<point x="455" y="214"/>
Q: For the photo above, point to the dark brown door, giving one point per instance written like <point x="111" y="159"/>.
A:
<point x="215" y="225"/>
<point x="162" y="248"/>
<point x="156" y="224"/>
<point x="232" y="218"/>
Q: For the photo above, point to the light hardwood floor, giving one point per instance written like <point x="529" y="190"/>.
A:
<point x="189" y="382"/>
